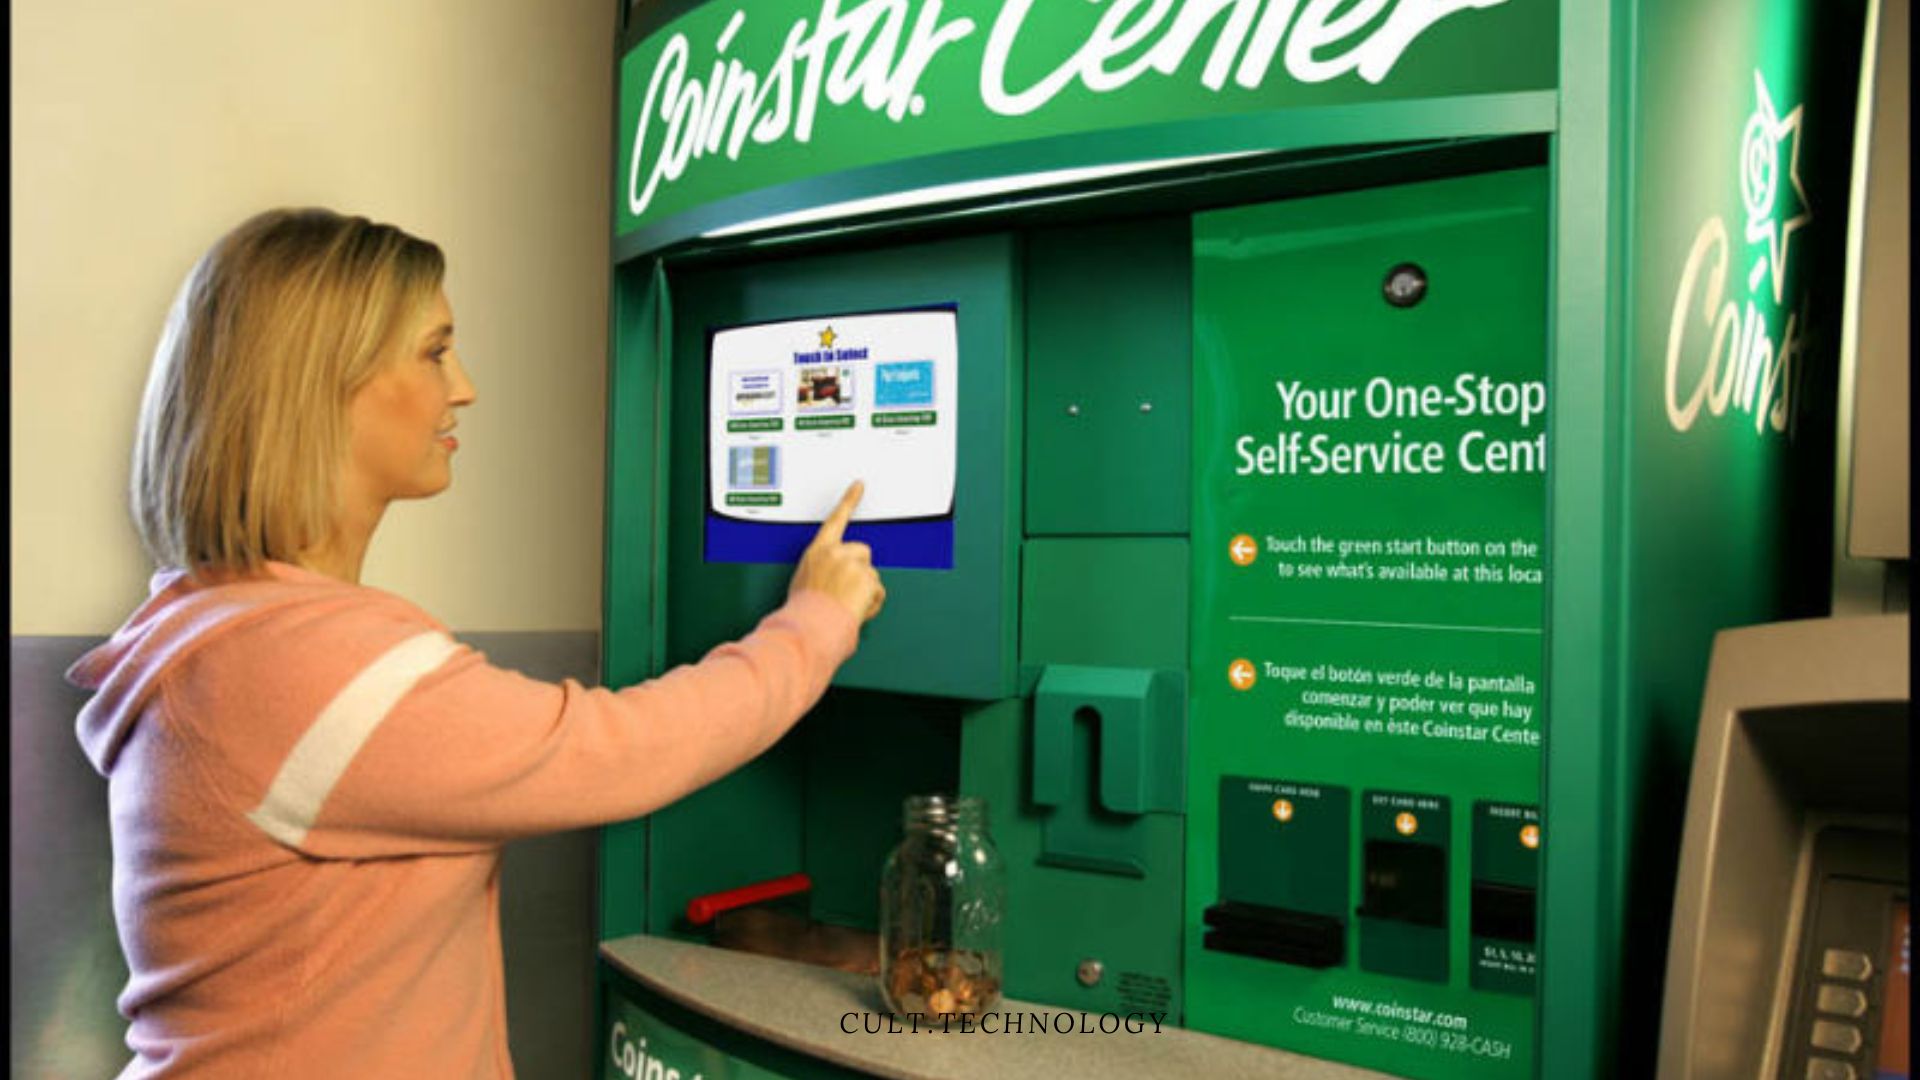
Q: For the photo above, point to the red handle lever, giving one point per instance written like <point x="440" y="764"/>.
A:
<point x="702" y="909"/>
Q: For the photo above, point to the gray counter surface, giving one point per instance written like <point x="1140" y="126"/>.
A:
<point x="801" y="1007"/>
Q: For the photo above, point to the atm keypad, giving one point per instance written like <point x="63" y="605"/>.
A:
<point x="1841" y="1001"/>
<point x="1846" y="964"/>
<point x="1856" y="894"/>
<point x="1841" y="1038"/>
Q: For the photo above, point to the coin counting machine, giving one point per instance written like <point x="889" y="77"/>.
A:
<point x="1068" y="400"/>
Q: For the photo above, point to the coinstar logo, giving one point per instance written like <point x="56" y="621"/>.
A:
<point x="877" y="52"/>
<point x="1722" y="349"/>
<point x="630" y="1058"/>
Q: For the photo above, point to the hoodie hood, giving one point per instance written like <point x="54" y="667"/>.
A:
<point x="179" y="617"/>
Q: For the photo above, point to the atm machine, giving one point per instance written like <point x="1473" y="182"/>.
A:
<point x="1792" y="931"/>
<point x="1791" y="938"/>
<point x="1022" y="407"/>
<point x="1265" y="435"/>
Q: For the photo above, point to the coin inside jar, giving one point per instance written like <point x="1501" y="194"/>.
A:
<point x="941" y="981"/>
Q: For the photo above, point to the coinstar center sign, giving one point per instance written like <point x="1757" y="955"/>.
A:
<point x="734" y="98"/>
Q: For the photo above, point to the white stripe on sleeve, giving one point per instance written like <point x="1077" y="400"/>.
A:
<point x="322" y="755"/>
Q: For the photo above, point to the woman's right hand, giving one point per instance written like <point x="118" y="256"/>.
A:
<point x="838" y="568"/>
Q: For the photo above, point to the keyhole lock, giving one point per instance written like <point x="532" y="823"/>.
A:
<point x="1405" y="285"/>
<point x="1089" y="972"/>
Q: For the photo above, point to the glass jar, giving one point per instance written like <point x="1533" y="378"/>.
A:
<point x="941" y="900"/>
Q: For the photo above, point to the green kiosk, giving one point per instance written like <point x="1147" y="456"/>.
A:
<point x="1310" y="448"/>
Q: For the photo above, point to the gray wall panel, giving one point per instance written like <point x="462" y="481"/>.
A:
<point x="65" y="966"/>
<point x="546" y="895"/>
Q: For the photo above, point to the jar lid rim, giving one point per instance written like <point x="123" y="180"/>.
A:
<point x="944" y="799"/>
<point x="942" y="809"/>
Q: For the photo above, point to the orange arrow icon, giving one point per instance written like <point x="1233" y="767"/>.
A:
<point x="1240" y="674"/>
<point x="1242" y="549"/>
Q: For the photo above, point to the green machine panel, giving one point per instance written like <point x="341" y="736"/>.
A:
<point x="758" y="810"/>
<point x="1109" y="378"/>
<point x="826" y="800"/>
<point x="948" y="633"/>
<point x="1138" y="584"/>
<point x="648" y="1037"/>
<point x="1084" y="776"/>
<point x="1369" y="479"/>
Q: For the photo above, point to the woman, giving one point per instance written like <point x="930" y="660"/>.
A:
<point x="310" y="780"/>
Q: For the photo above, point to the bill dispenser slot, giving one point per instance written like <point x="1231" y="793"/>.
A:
<point x="1283" y="872"/>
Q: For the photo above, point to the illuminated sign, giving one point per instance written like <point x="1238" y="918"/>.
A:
<point x="796" y="88"/>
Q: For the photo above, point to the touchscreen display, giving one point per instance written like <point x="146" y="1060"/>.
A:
<point x="797" y="410"/>
<point x="1896" y="1046"/>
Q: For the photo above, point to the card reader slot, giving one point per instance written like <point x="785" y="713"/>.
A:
<point x="1291" y="937"/>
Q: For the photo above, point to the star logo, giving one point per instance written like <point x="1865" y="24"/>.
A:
<point x="1762" y="145"/>
<point x="827" y="338"/>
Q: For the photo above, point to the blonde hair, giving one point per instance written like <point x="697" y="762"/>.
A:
<point x="243" y="425"/>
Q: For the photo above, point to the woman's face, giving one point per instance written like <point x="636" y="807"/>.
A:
<point x="401" y="421"/>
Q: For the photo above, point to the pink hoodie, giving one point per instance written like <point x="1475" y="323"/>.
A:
<point x="310" y="782"/>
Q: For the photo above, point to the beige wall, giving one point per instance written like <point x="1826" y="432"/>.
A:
<point x="142" y="131"/>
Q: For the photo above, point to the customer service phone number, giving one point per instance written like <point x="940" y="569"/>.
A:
<point x="1454" y="1042"/>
